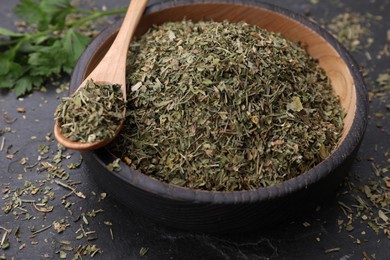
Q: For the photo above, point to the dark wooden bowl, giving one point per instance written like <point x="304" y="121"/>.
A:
<point x="207" y="211"/>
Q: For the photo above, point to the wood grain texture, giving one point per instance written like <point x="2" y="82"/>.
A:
<point x="112" y="65"/>
<point x="207" y="211"/>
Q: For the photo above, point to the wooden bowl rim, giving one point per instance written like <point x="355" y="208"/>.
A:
<point x="148" y="184"/>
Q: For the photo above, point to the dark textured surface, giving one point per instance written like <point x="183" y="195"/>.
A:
<point x="294" y="240"/>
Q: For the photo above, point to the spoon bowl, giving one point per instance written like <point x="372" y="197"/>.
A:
<point x="110" y="70"/>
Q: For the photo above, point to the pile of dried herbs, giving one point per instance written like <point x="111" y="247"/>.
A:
<point x="222" y="106"/>
<point x="91" y="114"/>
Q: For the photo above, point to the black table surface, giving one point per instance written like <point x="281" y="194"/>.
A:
<point x="330" y="232"/>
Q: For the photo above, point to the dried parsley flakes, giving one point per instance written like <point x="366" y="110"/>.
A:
<point x="222" y="106"/>
<point x="91" y="114"/>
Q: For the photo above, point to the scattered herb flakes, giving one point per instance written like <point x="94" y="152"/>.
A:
<point x="2" y="144"/>
<point x="383" y="80"/>
<point x="109" y="223"/>
<point x="62" y="254"/>
<point x="36" y="232"/>
<point x="112" y="234"/>
<point x="374" y="227"/>
<point x="102" y="112"/>
<point x="88" y="249"/>
<point x="4" y="242"/>
<point x="21" y="110"/>
<point x="17" y="234"/>
<point x="353" y="29"/>
<point x="114" y="165"/>
<point x="143" y="251"/>
<point x="60" y="226"/>
<point x="93" y="213"/>
<point x="383" y="88"/>
<point x="33" y="198"/>
<point x="306" y="224"/>
<point x="23" y="161"/>
<point x="22" y="246"/>
<point x="383" y="216"/>
<point x="102" y="196"/>
<point x="85" y="219"/>
<point x="384" y="52"/>
<point x="349" y="228"/>
<point x="44" y="208"/>
<point x="75" y="165"/>
<point x="331" y="250"/>
<point x="373" y="203"/>
<point x="43" y="149"/>
<point x="78" y="194"/>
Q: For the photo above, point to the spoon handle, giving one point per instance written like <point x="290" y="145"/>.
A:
<point x="129" y="24"/>
<point x="112" y="67"/>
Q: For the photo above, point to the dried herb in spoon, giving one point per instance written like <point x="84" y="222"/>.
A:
<point x="91" y="114"/>
<point x="226" y="107"/>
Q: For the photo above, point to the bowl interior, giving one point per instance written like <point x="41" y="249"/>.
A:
<point x="315" y="43"/>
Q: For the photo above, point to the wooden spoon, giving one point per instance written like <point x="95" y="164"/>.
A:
<point x="111" y="69"/>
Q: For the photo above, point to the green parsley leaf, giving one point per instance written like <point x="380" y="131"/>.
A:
<point x="74" y="44"/>
<point x="47" y="60"/>
<point x="31" y="12"/>
<point x="56" y="10"/>
<point x="50" y="45"/>
<point x="7" y="32"/>
<point x="23" y="85"/>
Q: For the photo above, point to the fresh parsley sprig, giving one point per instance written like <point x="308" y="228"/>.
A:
<point x="51" y="46"/>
